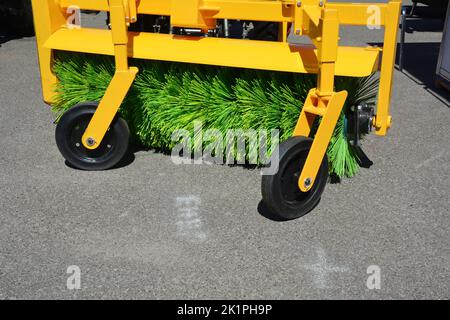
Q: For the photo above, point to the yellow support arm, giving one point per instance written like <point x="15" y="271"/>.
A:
<point x="121" y="15"/>
<point x="321" y="101"/>
<point x="383" y="118"/>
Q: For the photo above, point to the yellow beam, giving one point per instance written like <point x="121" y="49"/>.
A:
<point x="259" y="10"/>
<point x="358" y="14"/>
<point x="264" y="55"/>
<point x="263" y="10"/>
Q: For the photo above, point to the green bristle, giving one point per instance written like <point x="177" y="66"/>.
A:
<point x="341" y="154"/>
<point x="170" y="96"/>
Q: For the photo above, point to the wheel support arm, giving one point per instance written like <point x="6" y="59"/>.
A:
<point x="321" y="101"/>
<point x="122" y="14"/>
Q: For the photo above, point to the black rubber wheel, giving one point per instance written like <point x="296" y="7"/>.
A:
<point x="281" y="193"/>
<point x="70" y="130"/>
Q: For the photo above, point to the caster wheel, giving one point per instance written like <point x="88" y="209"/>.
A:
<point x="281" y="193"/>
<point x="70" y="130"/>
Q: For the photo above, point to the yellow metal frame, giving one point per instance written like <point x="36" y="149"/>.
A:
<point x="317" y="19"/>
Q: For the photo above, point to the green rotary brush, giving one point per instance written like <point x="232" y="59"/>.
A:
<point x="171" y="96"/>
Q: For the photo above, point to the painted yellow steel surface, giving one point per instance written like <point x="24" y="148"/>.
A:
<point x="383" y="118"/>
<point x="259" y="10"/>
<point x="192" y="14"/>
<point x="265" y="55"/>
<point x="322" y="137"/>
<point x="108" y="107"/>
<point x="48" y="18"/>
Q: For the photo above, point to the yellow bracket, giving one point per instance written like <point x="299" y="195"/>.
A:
<point x="330" y="115"/>
<point x="313" y="13"/>
<point x="122" y="13"/>
<point x="192" y="14"/>
<point x="130" y="11"/>
<point x="307" y="16"/>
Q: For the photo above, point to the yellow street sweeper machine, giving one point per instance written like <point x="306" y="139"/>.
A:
<point x="303" y="168"/>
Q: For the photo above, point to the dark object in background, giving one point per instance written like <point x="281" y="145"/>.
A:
<point x="267" y="31"/>
<point x="433" y="9"/>
<point x="148" y="23"/>
<point x="151" y="23"/>
<point x="236" y="29"/>
<point x="16" y="17"/>
<point x="443" y="65"/>
<point x="439" y="4"/>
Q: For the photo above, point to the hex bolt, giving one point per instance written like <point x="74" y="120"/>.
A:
<point x="307" y="182"/>
<point x="299" y="4"/>
<point x="321" y="4"/>
<point x="90" y="142"/>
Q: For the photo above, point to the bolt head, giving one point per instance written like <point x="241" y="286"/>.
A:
<point x="90" y="142"/>
<point x="307" y="182"/>
<point x="299" y="4"/>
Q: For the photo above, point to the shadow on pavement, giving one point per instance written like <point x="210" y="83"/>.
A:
<point x="6" y="36"/>
<point x="266" y="213"/>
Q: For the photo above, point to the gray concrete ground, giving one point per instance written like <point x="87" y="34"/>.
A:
<point x="155" y="230"/>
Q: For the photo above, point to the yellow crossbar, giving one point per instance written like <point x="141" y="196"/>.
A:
<point x="263" y="55"/>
